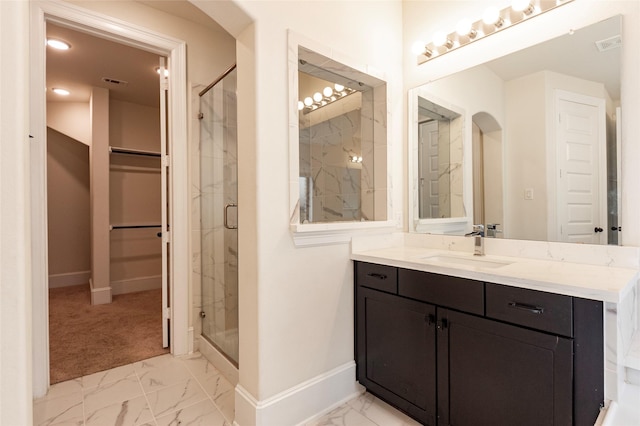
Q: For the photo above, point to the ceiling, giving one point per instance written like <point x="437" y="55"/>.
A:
<point x="92" y="58"/>
<point x="573" y="54"/>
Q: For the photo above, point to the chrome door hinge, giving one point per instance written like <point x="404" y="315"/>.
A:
<point x="165" y="161"/>
<point x="166" y="313"/>
<point x="166" y="237"/>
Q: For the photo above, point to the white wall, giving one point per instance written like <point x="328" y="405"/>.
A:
<point x="70" y="118"/>
<point x="422" y="19"/>
<point x="296" y="304"/>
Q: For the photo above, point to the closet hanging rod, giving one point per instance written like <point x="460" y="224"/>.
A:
<point x="217" y="80"/>
<point x="112" y="227"/>
<point x="116" y="150"/>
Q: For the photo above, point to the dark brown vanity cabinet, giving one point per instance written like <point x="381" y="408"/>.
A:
<point x="452" y="351"/>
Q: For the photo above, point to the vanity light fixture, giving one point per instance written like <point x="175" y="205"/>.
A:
<point x="328" y="95"/>
<point x="355" y="158"/>
<point x="493" y="20"/>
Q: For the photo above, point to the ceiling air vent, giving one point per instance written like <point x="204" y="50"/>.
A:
<point x="609" y="43"/>
<point x="115" y="82"/>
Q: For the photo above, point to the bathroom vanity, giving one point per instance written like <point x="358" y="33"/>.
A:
<point x="453" y="339"/>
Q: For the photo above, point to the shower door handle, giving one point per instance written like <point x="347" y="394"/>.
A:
<point x="226" y="216"/>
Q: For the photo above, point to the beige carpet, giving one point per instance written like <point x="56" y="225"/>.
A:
<point x="85" y="339"/>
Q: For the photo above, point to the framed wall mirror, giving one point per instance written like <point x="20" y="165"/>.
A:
<point x="541" y="142"/>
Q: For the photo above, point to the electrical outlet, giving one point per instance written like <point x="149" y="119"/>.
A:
<point x="528" y="194"/>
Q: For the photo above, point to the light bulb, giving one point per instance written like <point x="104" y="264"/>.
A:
<point x="520" y="5"/>
<point x="317" y="96"/>
<point x="58" y="44"/>
<point x="491" y="16"/>
<point x="464" y="27"/>
<point x="62" y="92"/>
<point x="439" y="39"/>
<point x="338" y="87"/>
<point x="308" y="101"/>
<point x="418" y="48"/>
<point x="300" y="105"/>
<point x="327" y="91"/>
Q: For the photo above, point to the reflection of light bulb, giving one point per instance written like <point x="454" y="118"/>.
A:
<point x="327" y="91"/>
<point x="62" y="92"/>
<point x="317" y="96"/>
<point x="300" y="105"/>
<point x="338" y="87"/>
<point x="308" y="101"/>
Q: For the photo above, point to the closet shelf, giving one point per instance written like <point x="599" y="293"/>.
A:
<point x="134" y="226"/>
<point x="128" y="151"/>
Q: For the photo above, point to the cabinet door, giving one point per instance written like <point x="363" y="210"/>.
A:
<point x="499" y="374"/>
<point x="396" y="351"/>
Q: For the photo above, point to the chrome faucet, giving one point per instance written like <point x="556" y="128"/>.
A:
<point x="478" y="244"/>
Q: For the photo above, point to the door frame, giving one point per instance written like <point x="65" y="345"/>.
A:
<point x="128" y="34"/>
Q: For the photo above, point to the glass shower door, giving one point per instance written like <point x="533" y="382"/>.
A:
<point x="219" y="214"/>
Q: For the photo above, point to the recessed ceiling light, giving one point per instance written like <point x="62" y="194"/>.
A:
<point x="58" y="44"/>
<point x="62" y="92"/>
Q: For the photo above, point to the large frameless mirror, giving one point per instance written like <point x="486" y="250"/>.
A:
<point x="541" y="135"/>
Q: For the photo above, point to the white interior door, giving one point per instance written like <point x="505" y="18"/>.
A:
<point x="164" y="188"/>
<point x="581" y="189"/>
<point x="428" y="170"/>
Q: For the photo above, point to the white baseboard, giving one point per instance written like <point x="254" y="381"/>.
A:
<point x="68" y="279"/>
<point x="301" y="402"/>
<point x="100" y="296"/>
<point x="133" y="285"/>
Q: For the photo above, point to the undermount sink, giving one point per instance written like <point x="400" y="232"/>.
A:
<point x="478" y="262"/>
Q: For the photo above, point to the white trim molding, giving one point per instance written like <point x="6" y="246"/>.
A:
<point x="100" y="295"/>
<point x="301" y="402"/>
<point x="133" y="285"/>
<point x="69" y="279"/>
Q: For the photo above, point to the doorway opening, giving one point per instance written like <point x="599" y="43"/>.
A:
<point x="73" y="17"/>
<point x="104" y="204"/>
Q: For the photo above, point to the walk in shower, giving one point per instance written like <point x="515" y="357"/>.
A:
<point x="219" y="214"/>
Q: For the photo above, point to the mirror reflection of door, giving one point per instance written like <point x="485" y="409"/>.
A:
<point x="428" y="169"/>
<point x="488" y="204"/>
<point x="581" y="154"/>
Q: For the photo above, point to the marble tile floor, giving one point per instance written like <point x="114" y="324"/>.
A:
<point x="177" y="391"/>
<point x="365" y="410"/>
<point x="159" y="391"/>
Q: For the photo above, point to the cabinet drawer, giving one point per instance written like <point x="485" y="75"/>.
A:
<point x="379" y="277"/>
<point x="451" y="292"/>
<point x="536" y="309"/>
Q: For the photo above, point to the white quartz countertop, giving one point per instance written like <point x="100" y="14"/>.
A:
<point x="605" y="283"/>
